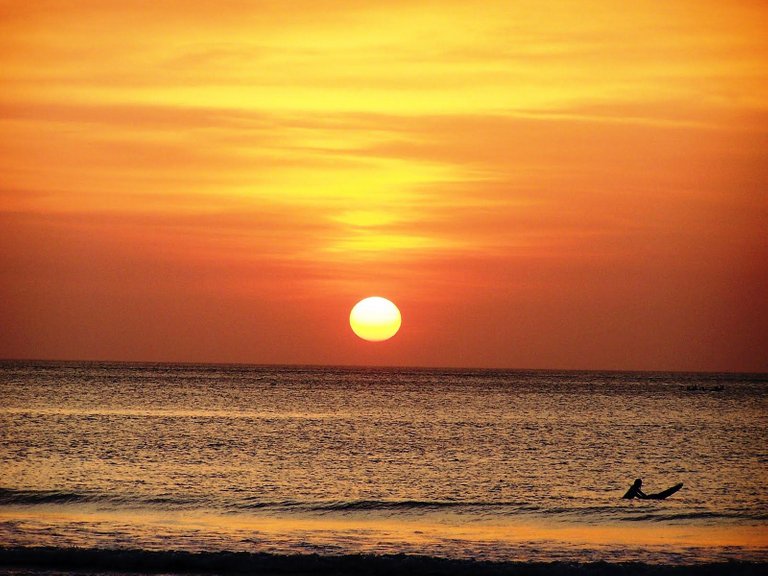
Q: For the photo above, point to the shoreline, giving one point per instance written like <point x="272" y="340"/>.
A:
<point x="365" y="533"/>
<point x="50" y="560"/>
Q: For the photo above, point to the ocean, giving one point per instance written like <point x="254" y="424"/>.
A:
<point x="332" y="462"/>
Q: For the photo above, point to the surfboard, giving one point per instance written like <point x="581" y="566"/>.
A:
<point x="665" y="494"/>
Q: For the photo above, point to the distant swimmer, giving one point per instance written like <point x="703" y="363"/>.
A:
<point x="635" y="492"/>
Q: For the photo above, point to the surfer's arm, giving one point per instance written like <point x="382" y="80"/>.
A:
<point x="633" y="493"/>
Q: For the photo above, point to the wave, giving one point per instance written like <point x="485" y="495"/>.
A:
<point x="177" y="562"/>
<point x="500" y="508"/>
<point x="8" y="496"/>
<point x="395" y="505"/>
<point x="33" y="497"/>
<point x="509" y="508"/>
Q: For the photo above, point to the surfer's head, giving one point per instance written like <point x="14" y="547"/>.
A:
<point x="638" y="482"/>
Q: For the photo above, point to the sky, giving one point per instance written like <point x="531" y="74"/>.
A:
<point x="536" y="184"/>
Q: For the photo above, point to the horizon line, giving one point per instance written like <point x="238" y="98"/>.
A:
<point x="378" y="366"/>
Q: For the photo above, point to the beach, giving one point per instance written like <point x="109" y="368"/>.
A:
<point x="61" y="561"/>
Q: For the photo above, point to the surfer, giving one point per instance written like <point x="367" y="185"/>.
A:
<point x="635" y="492"/>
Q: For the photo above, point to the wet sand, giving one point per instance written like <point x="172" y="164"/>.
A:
<point x="54" y="561"/>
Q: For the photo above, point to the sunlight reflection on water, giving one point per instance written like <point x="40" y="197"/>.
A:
<point x="446" y="462"/>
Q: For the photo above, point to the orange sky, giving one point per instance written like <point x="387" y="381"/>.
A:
<point x="544" y="184"/>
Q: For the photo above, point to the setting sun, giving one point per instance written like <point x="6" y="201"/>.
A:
<point x="375" y="319"/>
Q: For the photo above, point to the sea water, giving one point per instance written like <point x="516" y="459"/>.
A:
<point x="460" y="464"/>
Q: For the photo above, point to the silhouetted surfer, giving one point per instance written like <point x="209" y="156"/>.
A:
<point x="635" y="492"/>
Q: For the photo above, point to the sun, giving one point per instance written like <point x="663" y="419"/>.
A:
<point x="375" y="319"/>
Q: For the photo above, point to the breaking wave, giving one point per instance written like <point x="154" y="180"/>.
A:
<point x="8" y="496"/>
<point x="498" y="508"/>
<point x="394" y="505"/>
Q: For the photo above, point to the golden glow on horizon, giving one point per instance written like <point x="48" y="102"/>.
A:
<point x="375" y="319"/>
